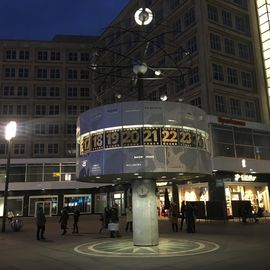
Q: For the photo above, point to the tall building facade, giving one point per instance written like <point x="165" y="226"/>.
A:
<point x="45" y="85"/>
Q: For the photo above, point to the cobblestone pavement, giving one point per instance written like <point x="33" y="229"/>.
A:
<point x="215" y="245"/>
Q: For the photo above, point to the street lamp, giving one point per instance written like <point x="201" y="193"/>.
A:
<point x="10" y="133"/>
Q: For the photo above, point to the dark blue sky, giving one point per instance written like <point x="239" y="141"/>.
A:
<point x="42" y="19"/>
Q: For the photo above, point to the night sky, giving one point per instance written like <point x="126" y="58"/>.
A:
<point x="43" y="19"/>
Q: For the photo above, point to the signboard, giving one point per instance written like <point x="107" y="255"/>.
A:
<point x="139" y="136"/>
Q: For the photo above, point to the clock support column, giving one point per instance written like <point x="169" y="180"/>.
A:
<point x="145" y="217"/>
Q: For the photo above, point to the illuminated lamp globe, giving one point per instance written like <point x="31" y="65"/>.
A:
<point x="118" y="96"/>
<point x="143" y="16"/>
<point x="140" y="69"/>
<point x="163" y="97"/>
<point x="10" y="130"/>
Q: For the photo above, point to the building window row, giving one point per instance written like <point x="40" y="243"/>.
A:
<point x="42" y="109"/>
<point x="44" y="91"/>
<point x="78" y="92"/>
<point x="75" y="74"/>
<point x="11" y="109"/>
<point x="53" y="129"/>
<point x="50" y="148"/>
<point x="17" y="54"/>
<point x="240" y="143"/>
<point x="228" y="19"/>
<point x="18" y="91"/>
<point x="76" y="109"/>
<point x="181" y="24"/>
<point x="236" y="107"/>
<point x="230" y="46"/>
<point x="38" y="149"/>
<point x="196" y="102"/>
<point x="233" y="76"/>
<point x="12" y="72"/>
<point x="45" y="55"/>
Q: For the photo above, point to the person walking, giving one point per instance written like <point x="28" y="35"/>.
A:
<point x="183" y="214"/>
<point x="129" y="219"/>
<point x="63" y="221"/>
<point x="174" y="216"/>
<point x="76" y="216"/>
<point x="40" y="221"/>
<point x="104" y="219"/>
<point x="113" y="226"/>
<point x="191" y="218"/>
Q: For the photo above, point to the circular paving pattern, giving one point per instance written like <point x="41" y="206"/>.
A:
<point x="166" y="248"/>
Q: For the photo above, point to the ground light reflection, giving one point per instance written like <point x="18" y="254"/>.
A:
<point x="166" y="248"/>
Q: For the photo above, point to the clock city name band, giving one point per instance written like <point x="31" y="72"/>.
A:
<point x="129" y="136"/>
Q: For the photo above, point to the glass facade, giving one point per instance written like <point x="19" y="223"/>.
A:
<point x="39" y="172"/>
<point x="83" y="202"/>
<point x="13" y="203"/>
<point x="240" y="142"/>
<point x="101" y="202"/>
<point x="47" y="202"/>
<point x="264" y="23"/>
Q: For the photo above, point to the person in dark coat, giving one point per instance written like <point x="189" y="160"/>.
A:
<point x="190" y="215"/>
<point x="183" y="214"/>
<point x="76" y="216"/>
<point x="114" y="218"/>
<point x="105" y="219"/>
<point x="41" y="221"/>
<point x="174" y="216"/>
<point x="63" y="221"/>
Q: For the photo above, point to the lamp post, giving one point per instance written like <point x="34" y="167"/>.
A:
<point x="10" y="133"/>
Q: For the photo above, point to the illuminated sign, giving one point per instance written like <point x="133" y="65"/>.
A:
<point x="85" y="144"/>
<point x="131" y="136"/>
<point x="245" y="177"/>
<point x="112" y="138"/>
<point x="151" y="136"/>
<point x="169" y="136"/>
<point x="139" y="136"/>
<point x="96" y="141"/>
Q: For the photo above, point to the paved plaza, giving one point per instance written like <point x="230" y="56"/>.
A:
<point x="215" y="245"/>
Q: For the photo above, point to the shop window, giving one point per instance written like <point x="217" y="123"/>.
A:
<point x="34" y="173"/>
<point x="83" y="202"/>
<point x="262" y="139"/>
<point x="263" y="153"/>
<point x="223" y="135"/>
<point x="244" y="151"/>
<point x="48" y="203"/>
<point x="17" y="173"/>
<point x="52" y="172"/>
<point x="100" y="202"/>
<point x="243" y="137"/>
<point x="13" y="203"/>
<point x="225" y="150"/>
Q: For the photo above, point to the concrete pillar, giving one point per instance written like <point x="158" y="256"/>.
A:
<point x="145" y="217"/>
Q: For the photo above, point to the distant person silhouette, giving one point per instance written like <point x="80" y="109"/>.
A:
<point x="40" y="221"/>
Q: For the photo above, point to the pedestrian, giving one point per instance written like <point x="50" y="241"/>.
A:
<point x="191" y="218"/>
<point x="129" y="219"/>
<point x="104" y="219"/>
<point x="10" y="215"/>
<point x="174" y="216"/>
<point x="40" y="221"/>
<point x="113" y="226"/>
<point x="76" y="216"/>
<point x="183" y="214"/>
<point x="63" y="221"/>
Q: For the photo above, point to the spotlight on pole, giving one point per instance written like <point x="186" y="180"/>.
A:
<point x="10" y="133"/>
